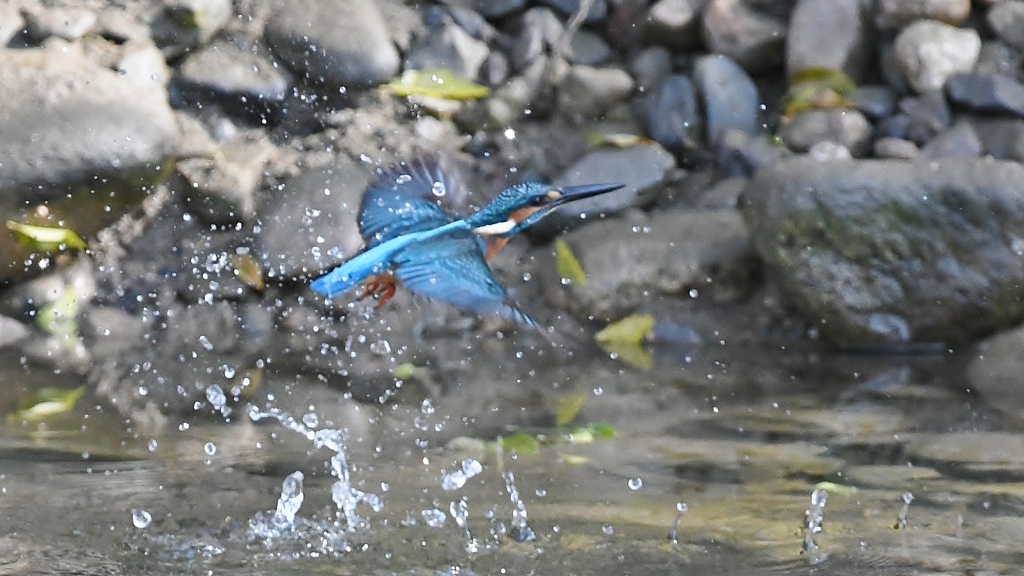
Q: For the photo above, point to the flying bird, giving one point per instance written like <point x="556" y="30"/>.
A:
<point x="411" y="240"/>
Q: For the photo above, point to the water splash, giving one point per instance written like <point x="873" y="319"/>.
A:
<point x="901" y="516"/>
<point x="813" y="518"/>
<point x="521" y="531"/>
<point x="454" y="480"/>
<point x="459" y="509"/>
<point x="346" y="497"/>
<point x="673" y="535"/>
<point x="267" y="526"/>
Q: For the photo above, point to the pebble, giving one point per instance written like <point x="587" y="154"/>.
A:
<point x="590" y="91"/>
<point x="729" y="97"/>
<point x="896" y="148"/>
<point x="876" y="101"/>
<point x="230" y="73"/>
<point x="674" y="118"/>
<point x="960" y="141"/>
<point x="674" y="23"/>
<point x="185" y="24"/>
<point x="342" y="43"/>
<point x="69" y="23"/>
<point x="11" y="23"/>
<point x="834" y="34"/>
<point x="929" y="52"/>
<point x="986" y="93"/>
<point x="848" y="128"/>
<point x="598" y="9"/>
<point x="588" y="49"/>
<point x="222" y="187"/>
<point x="450" y="47"/>
<point x="650" y="67"/>
<point x="926" y="116"/>
<point x="1006" y="19"/>
<point x="497" y="9"/>
<point x="895" y="14"/>
<point x="754" y="40"/>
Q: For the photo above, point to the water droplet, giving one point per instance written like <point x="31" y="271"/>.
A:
<point x="434" y="518"/>
<point x="403" y="179"/>
<point x="141" y="518"/>
<point x="210" y="448"/>
<point x="152" y="445"/>
<point x="438" y="189"/>
<point x="635" y="483"/>
<point x="215" y="396"/>
<point x="311" y="420"/>
<point x="608" y="529"/>
<point x="682" y="507"/>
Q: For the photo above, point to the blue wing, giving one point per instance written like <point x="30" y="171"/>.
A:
<point x="451" y="269"/>
<point x="405" y="199"/>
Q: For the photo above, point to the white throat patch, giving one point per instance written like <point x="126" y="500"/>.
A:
<point x="496" y="229"/>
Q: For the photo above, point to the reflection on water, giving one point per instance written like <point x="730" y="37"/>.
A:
<point x="750" y="461"/>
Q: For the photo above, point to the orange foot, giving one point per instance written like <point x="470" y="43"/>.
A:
<point x="380" y="287"/>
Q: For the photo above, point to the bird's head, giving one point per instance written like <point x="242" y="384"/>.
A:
<point x="523" y="205"/>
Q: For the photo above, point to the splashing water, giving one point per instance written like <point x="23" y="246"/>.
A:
<point x="521" y="531"/>
<point x="346" y="497"/>
<point x="459" y="509"/>
<point x="901" y="516"/>
<point x="673" y="535"/>
<point x="268" y="526"/>
<point x="457" y="479"/>
<point x="813" y="517"/>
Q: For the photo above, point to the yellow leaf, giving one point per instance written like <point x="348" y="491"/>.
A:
<point x="630" y="353"/>
<point x="46" y="238"/>
<point x="617" y="139"/>
<point x="48" y="402"/>
<point x="630" y="330"/>
<point x="60" y="317"/>
<point x="568" y="408"/>
<point x="519" y="442"/>
<point x="568" y="266"/>
<point x="438" y="83"/>
<point x="574" y="459"/>
<point x="841" y="489"/>
<point x="248" y="271"/>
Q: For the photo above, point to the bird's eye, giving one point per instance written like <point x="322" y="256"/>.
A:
<point x="538" y="200"/>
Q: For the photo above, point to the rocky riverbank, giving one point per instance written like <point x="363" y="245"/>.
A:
<point x="837" y="170"/>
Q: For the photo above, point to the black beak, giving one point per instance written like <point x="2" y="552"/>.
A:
<point x="572" y="193"/>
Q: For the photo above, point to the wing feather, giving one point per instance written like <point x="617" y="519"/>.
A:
<point x="405" y="198"/>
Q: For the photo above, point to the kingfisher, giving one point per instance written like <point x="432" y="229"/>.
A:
<point x="410" y="239"/>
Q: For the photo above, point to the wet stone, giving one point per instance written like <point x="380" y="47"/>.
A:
<point x="70" y="23"/>
<point x="887" y="476"/>
<point x="986" y="93"/>
<point x="926" y="116"/>
<point x="674" y="119"/>
<point x="236" y="76"/>
<point x="1006" y="19"/>
<point x="674" y="23"/>
<point x="340" y="43"/>
<point x="650" y="67"/>
<point x="875" y="101"/>
<point x="12" y="331"/>
<point x="895" y="148"/>
<point x="308" y="224"/>
<point x="221" y="188"/>
<point x="598" y="9"/>
<point x="834" y="34"/>
<point x="729" y="97"/>
<point x="991" y="453"/>
<point x="960" y="141"/>
<point x="998" y="57"/>
<point x="848" y="128"/>
<point x="929" y="52"/>
<point x="641" y="168"/>
<point x="589" y="91"/>
<point x="144" y="63"/>
<point x="994" y="372"/>
<point x="885" y="252"/>
<point x="895" y="14"/>
<point x="588" y="49"/>
<point x="450" y="47"/>
<point x="496" y="9"/>
<point x="185" y="24"/>
<point x="754" y="40"/>
<point x="11" y="23"/>
<point x="1000" y="138"/>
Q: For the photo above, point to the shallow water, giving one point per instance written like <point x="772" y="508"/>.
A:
<point x="927" y="477"/>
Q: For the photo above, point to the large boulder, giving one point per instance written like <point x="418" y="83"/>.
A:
<point x="885" y="252"/>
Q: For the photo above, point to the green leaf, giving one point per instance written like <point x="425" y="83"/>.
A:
<point x="630" y="330"/>
<point x="46" y="238"/>
<point x="817" y="88"/>
<point x="617" y="139"/>
<point x="248" y="271"/>
<point x="520" y="442"/>
<point x="60" y="317"/>
<point x="602" y="431"/>
<point x="630" y="353"/>
<point x="568" y="408"/>
<point x="46" y="402"/>
<point x="568" y="266"/>
<point x="438" y="83"/>
<point x="841" y="489"/>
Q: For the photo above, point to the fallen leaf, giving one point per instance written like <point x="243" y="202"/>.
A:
<point x="47" y="238"/>
<point x="629" y="330"/>
<point x="568" y="266"/>
<point x="439" y="83"/>
<point x="568" y="408"/>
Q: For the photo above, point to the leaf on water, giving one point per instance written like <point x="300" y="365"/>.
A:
<point x="60" y="317"/>
<point x="580" y="436"/>
<point x="439" y="83"/>
<point x="574" y="459"/>
<point x="568" y="266"/>
<point x="832" y="487"/>
<point x="568" y="408"/>
<point x="630" y="330"/>
<point x="248" y="271"/>
<point x="46" y="402"/>
<point x="602" y="431"/>
<point x="520" y="442"/>
<point x="617" y="139"/>
<point x="47" y="238"/>
<point x="632" y="354"/>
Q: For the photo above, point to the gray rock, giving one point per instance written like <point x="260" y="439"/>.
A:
<point x="650" y="67"/>
<point x="12" y="331"/>
<point x="960" y="141"/>
<point x="998" y="57"/>
<point x="927" y="115"/>
<point x="929" y="52"/>
<point x="884" y="252"/>
<point x="895" y="148"/>
<point x="449" y="46"/>
<point x="235" y="75"/>
<point x="848" y="128"/>
<point x="986" y="93"/>
<point x="1001" y="138"/>
<point x="144" y="63"/>
<point x="309" y="224"/>
<point x="69" y="23"/>
<point x="895" y="14"/>
<point x="642" y="168"/>
<point x="876" y="101"/>
<point x="598" y="9"/>
<point x="76" y="138"/>
<point x="995" y="369"/>
<point x="221" y="188"/>
<point x="497" y="9"/>
<point x="628" y="260"/>
<point x="1006" y="19"/>
<point x="11" y="23"/>
<point x="185" y="24"/>
<point x="729" y="97"/>
<point x="741" y="153"/>
<point x="588" y="49"/>
<point x="674" y="118"/>
<point x="541" y="29"/>
<point x="833" y="34"/>
<point x="589" y="91"/>
<point x="107" y="331"/>
<point x="674" y="23"/>
<point x="754" y="40"/>
<point x="337" y="42"/>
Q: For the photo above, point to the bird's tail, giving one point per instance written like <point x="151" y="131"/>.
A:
<point x="337" y="281"/>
